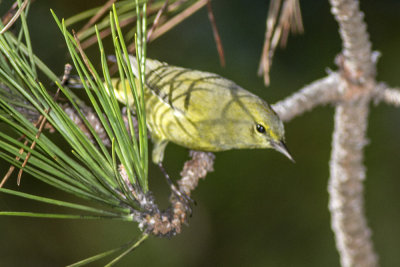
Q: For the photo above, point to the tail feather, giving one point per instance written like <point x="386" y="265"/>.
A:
<point x="134" y="65"/>
<point x="151" y="65"/>
<point x="74" y="81"/>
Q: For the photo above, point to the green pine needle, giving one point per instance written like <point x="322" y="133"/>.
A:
<point x="82" y="166"/>
<point x="91" y="170"/>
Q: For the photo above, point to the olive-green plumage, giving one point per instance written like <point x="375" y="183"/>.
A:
<point x="204" y="111"/>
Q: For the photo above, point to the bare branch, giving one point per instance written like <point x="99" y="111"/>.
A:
<point x="388" y="95"/>
<point x="355" y="39"/>
<point x="320" y="92"/>
<point x="170" y="222"/>
<point x="347" y="172"/>
<point x="195" y="169"/>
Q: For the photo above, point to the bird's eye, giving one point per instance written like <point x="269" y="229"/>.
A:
<point x="260" y="128"/>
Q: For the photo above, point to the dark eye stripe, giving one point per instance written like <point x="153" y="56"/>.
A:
<point x="260" y="128"/>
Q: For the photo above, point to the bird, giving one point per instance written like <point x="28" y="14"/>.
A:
<point x="202" y="111"/>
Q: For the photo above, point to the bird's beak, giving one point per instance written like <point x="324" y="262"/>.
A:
<point x="281" y="147"/>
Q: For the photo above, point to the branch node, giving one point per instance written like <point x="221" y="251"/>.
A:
<point x="169" y="222"/>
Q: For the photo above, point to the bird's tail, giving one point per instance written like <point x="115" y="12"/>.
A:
<point x="151" y="65"/>
<point x="75" y="82"/>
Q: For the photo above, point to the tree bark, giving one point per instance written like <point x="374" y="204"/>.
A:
<point x="347" y="172"/>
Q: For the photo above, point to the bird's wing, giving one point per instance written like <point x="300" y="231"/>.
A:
<point x="155" y="72"/>
<point x="186" y="90"/>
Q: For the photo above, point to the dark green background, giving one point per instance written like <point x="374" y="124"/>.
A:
<point x="257" y="208"/>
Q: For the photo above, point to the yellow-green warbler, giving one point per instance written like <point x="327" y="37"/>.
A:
<point x="203" y="111"/>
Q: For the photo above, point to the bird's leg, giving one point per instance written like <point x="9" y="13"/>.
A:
<point x="182" y="196"/>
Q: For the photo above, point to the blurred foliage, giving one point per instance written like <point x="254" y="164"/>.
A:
<point x="257" y="208"/>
